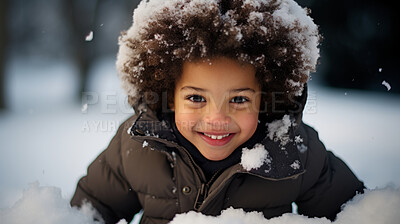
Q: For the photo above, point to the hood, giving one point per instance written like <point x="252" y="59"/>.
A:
<point x="278" y="37"/>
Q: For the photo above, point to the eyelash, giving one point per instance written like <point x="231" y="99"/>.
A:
<point x="243" y="100"/>
<point x="200" y="99"/>
<point x="191" y="98"/>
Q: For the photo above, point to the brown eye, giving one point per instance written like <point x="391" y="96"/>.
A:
<point x="196" y="98"/>
<point x="239" y="99"/>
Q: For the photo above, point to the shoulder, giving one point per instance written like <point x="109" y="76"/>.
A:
<point x="314" y="149"/>
<point x="124" y="128"/>
<point x="121" y="142"/>
<point x="124" y="131"/>
<point x="327" y="183"/>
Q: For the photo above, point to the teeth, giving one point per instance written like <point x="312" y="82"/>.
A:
<point x="216" y="136"/>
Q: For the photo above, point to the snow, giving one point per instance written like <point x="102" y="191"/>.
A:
<point x="254" y="3"/>
<point x="298" y="139"/>
<point x="289" y="13"/>
<point x="45" y="136"/>
<point x="295" y="165"/>
<point x="296" y="84"/>
<point x="122" y="221"/>
<point x="89" y="37"/>
<point x="254" y="158"/>
<point x="279" y="130"/>
<point x="46" y="205"/>
<point x="372" y="207"/>
<point x="145" y="144"/>
<point x="302" y="148"/>
<point x="387" y="85"/>
<point x="361" y="128"/>
<point x="84" y="108"/>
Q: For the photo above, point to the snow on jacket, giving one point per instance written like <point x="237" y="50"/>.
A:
<point x="144" y="169"/>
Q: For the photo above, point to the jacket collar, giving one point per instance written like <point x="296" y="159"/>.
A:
<point x="284" y="159"/>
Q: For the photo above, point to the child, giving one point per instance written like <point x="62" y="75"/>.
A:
<point x="218" y="87"/>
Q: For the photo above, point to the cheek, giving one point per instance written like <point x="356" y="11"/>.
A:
<point x="186" y="121"/>
<point x="248" y="123"/>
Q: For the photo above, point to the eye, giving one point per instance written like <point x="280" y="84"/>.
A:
<point x="196" y="98"/>
<point x="239" y="99"/>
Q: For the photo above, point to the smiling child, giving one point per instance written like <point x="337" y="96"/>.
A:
<point x="218" y="88"/>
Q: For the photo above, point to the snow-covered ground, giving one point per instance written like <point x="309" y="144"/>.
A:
<point x="45" y="205"/>
<point x="361" y="128"/>
<point x="377" y="206"/>
<point x="49" y="138"/>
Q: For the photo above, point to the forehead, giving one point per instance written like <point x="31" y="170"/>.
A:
<point x="218" y="73"/>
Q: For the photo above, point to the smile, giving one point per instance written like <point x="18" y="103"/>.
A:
<point x="216" y="136"/>
<point x="214" y="139"/>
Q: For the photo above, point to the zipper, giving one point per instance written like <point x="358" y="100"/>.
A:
<point x="203" y="192"/>
<point x="192" y="164"/>
<point x="205" y="186"/>
<point x="200" y="196"/>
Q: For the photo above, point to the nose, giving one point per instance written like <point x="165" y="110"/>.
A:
<point x="217" y="119"/>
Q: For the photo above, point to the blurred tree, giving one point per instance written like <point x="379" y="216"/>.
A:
<point x="360" y="45"/>
<point x="3" y="44"/>
<point x="82" y="16"/>
<point x="85" y="19"/>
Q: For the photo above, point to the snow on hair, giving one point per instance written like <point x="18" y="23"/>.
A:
<point x="276" y="36"/>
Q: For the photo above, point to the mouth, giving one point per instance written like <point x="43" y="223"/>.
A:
<point x="216" y="139"/>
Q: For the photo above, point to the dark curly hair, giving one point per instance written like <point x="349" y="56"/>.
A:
<point x="275" y="36"/>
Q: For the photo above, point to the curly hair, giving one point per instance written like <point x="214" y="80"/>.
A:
<point x="276" y="36"/>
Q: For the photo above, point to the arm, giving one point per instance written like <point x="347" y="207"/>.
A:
<point x="328" y="182"/>
<point x="105" y="185"/>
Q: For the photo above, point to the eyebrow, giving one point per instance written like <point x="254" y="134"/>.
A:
<point x="205" y="90"/>
<point x="242" y="90"/>
<point x="194" y="88"/>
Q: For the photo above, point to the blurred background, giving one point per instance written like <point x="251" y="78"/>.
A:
<point x="61" y="100"/>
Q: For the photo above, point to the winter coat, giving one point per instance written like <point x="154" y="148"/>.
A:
<point x="144" y="169"/>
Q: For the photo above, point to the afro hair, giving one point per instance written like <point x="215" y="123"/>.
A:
<point x="276" y="36"/>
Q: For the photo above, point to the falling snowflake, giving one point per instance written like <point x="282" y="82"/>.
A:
<point x="387" y="85"/>
<point x="89" y="37"/>
<point x="84" y="108"/>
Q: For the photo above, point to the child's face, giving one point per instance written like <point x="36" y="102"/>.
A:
<point x="216" y="105"/>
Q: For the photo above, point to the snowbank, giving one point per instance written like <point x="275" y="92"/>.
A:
<point x="372" y="207"/>
<point x="45" y="205"/>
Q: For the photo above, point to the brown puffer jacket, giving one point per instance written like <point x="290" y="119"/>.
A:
<point x="144" y="169"/>
<point x="147" y="170"/>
